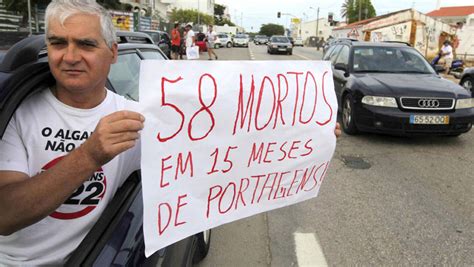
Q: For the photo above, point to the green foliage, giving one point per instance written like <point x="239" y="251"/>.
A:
<point x="188" y="15"/>
<point x="219" y="16"/>
<point x="350" y="10"/>
<point x="272" y="29"/>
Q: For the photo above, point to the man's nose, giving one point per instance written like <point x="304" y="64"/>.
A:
<point x="72" y="54"/>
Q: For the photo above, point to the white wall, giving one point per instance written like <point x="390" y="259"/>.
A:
<point x="308" y="28"/>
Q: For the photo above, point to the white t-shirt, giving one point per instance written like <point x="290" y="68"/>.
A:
<point x="447" y="49"/>
<point x="41" y="131"/>
<point x="189" y="38"/>
<point x="211" y="36"/>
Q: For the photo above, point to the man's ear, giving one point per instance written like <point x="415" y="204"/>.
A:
<point x="114" y="52"/>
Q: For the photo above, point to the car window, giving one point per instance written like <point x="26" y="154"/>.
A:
<point x="124" y="75"/>
<point x="389" y="59"/>
<point x="328" y="53"/>
<point x="154" y="36"/>
<point x="343" y="55"/>
<point x="165" y="37"/>
<point x="334" y="53"/>
<point x="280" y="40"/>
<point x="151" y="54"/>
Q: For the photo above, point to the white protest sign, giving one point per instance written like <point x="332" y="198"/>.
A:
<point x="224" y="140"/>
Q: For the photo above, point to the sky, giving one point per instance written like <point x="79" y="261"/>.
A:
<point x="253" y="13"/>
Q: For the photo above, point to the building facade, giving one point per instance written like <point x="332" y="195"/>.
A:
<point x="424" y="33"/>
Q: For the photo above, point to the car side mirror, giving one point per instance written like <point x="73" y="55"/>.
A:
<point x="343" y="67"/>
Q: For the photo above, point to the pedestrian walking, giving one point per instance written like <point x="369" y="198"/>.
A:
<point x="211" y="38"/>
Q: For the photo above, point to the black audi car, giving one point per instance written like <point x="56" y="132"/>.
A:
<point x="391" y="88"/>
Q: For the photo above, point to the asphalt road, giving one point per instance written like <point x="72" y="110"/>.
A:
<point x="386" y="201"/>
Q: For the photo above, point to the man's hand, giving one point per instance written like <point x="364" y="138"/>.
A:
<point x="337" y="130"/>
<point x="113" y="135"/>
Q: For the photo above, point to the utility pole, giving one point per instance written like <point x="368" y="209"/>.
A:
<point x="317" y="23"/>
<point x="29" y="18"/>
<point x="199" y="15"/>
<point x="360" y="10"/>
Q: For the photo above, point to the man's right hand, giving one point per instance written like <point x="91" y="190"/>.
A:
<point x="113" y="135"/>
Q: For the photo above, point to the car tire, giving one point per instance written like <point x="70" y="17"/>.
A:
<point x="348" y="122"/>
<point x="290" y="53"/>
<point x="216" y="46"/>
<point x="468" y="83"/>
<point x="229" y="45"/>
<point x="202" y="246"/>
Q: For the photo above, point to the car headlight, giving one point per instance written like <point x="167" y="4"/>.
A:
<point x="380" y="101"/>
<point x="465" y="103"/>
<point x="275" y="46"/>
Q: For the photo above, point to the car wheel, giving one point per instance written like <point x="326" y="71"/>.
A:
<point x="202" y="246"/>
<point x="467" y="83"/>
<point x="348" y="124"/>
<point x="290" y="53"/>
<point x="229" y="45"/>
<point x="216" y="46"/>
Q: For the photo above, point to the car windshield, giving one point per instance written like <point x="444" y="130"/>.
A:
<point x="390" y="59"/>
<point x="241" y="36"/>
<point x="280" y="40"/>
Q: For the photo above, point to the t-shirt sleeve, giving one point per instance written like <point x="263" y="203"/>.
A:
<point x="13" y="155"/>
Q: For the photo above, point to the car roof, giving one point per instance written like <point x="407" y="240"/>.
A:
<point x="356" y="43"/>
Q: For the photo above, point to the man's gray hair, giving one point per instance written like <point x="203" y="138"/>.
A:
<point x="63" y="9"/>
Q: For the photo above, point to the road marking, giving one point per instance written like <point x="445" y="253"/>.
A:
<point x="308" y="250"/>
<point x="252" y="57"/>
<point x="303" y="57"/>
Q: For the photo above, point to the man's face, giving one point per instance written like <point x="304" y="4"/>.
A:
<point x="78" y="56"/>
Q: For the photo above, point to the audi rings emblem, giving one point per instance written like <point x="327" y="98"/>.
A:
<point x="428" y="103"/>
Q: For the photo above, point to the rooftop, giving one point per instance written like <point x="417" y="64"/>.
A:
<point x="452" y="11"/>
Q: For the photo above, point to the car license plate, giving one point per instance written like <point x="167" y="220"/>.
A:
<point x="281" y="49"/>
<point x="429" y="119"/>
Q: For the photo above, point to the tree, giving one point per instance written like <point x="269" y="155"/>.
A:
<point x="188" y="15"/>
<point x="355" y="10"/>
<point x="219" y="16"/>
<point x="272" y="29"/>
<point x="21" y="6"/>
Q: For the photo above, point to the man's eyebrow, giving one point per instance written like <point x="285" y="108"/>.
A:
<point x="55" y="38"/>
<point x="87" y="41"/>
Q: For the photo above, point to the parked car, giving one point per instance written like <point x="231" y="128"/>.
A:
<point x="298" y="41"/>
<point x="292" y="40"/>
<point x="117" y="237"/>
<point x="201" y="42"/>
<point x="241" y="40"/>
<point x="260" y="39"/>
<point x="467" y="80"/>
<point x="391" y="88"/>
<point x="225" y="40"/>
<point x="162" y="39"/>
<point x="279" y="44"/>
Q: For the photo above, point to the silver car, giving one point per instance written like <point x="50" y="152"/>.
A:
<point x="241" y="40"/>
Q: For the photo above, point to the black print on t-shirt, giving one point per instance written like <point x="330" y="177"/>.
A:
<point x="63" y="140"/>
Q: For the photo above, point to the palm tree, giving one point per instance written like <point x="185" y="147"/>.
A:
<point x="347" y="8"/>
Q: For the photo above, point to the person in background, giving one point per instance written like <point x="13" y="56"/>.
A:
<point x="46" y="209"/>
<point x="210" y="42"/>
<point x="175" y="42"/>
<point x="447" y="54"/>
<point x="190" y="39"/>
